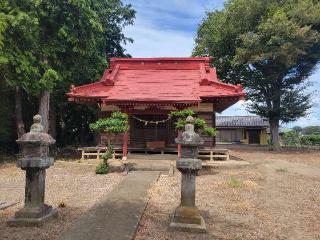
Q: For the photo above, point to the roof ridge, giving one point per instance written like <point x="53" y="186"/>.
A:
<point x="242" y="116"/>
<point x="197" y="59"/>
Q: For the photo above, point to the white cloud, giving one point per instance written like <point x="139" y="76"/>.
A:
<point x="167" y="28"/>
<point x="150" y="42"/>
<point x="238" y="109"/>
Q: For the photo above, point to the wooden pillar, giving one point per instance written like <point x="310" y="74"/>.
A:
<point x="125" y="146"/>
<point x="125" y="137"/>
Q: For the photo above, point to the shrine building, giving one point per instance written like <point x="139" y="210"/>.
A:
<point x="148" y="89"/>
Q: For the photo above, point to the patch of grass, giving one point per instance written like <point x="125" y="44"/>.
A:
<point x="234" y="183"/>
<point x="281" y="169"/>
<point x="62" y="204"/>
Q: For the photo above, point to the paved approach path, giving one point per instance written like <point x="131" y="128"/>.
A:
<point x="117" y="215"/>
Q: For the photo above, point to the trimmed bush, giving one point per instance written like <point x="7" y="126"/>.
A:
<point x="117" y="123"/>
<point x="108" y="154"/>
<point x="200" y="124"/>
<point x="102" y="168"/>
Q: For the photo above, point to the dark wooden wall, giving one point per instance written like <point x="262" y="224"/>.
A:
<point x="138" y="135"/>
<point x="141" y="133"/>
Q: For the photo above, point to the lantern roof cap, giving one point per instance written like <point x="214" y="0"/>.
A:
<point x="36" y="134"/>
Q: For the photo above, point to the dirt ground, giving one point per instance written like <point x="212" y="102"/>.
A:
<point x="276" y="197"/>
<point x="72" y="183"/>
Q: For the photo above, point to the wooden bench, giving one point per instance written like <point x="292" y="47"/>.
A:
<point x="156" y="145"/>
<point x="214" y="154"/>
<point x="97" y="152"/>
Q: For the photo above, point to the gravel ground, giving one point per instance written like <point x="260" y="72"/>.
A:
<point x="72" y="183"/>
<point x="276" y="197"/>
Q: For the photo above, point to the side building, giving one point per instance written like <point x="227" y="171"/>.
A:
<point x="241" y="130"/>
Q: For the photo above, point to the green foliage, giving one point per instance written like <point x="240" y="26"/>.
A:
<point x="271" y="47"/>
<point x="208" y="131"/>
<point x="117" y="123"/>
<point x="311" y="130"/>
<point x="312" y="140"/>
<point x="102" y="168"/>
<point x="293" y="138"/>
<point x="49" y="45"/>
<point x="3" y="26"/>
<point x="200" y="124"/>
<point x="181" y="113"/>
<point x="234" y="183"/>
<point x="108" y="154"/>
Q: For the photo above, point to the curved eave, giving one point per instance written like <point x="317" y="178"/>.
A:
<point x="221" y="103"/>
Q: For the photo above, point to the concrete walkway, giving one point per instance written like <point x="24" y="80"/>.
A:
<point x="116" y="216"/>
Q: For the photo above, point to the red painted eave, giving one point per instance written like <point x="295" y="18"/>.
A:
<point x="158" y="80"/>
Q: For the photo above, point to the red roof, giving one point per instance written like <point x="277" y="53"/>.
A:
<point x="159" y="80"/>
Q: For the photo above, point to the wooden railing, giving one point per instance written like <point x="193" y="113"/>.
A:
<point x="97" y="152"/>
<point x="204" y="154"/>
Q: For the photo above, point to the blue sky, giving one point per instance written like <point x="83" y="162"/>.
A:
<point x="167" y="28"/>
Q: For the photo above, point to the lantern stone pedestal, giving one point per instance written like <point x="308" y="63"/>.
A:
<point x="187" y="216"/>
<point x="35" y="151"/>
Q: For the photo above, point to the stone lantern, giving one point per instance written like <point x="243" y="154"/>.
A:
<point x="35" y="160"/>
<point x="186" y="216"/>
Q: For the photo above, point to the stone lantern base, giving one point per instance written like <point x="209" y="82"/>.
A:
<point x="188" y="219"/>
<point x="35" y="160"/>
<point x="32" y="217"/>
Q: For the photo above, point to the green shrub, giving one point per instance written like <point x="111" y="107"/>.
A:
<point x="310" y="140"/>
<point x="117" y="123"/>
<point x="102" y="168"/>
<point x="291" y="138"/>
<point x="200" y="124"/>
<point x="108" y="154"/>
<point x="182" y="113"/>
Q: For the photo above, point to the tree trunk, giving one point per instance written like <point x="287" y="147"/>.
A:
<point x="18" y="109"/>
<point x="53" y="119"/>
<point x="44" y="109"/>
<point x="274" y="135"/>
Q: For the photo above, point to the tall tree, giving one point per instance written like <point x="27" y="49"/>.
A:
<point x="49" y="45"/>
<point x="271" y="47"/>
